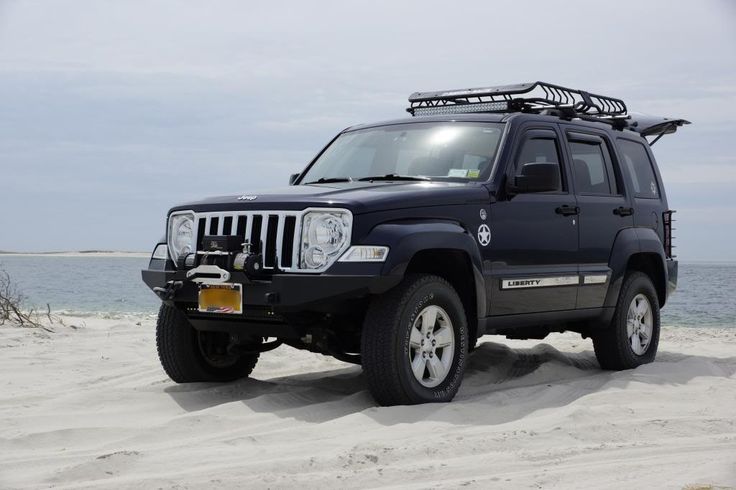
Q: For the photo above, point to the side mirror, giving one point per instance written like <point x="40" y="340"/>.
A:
<point x="536" y="177"/>
<point x="292" y="178"/>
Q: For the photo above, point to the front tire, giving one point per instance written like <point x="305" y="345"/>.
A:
<point x="415" y="342"/>
<point x="633" y="336"/>
<point x="188" y="355"/>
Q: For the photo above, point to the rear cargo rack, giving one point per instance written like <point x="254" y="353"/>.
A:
<point x="667" y="220"/>
<point x="536" y="98"/>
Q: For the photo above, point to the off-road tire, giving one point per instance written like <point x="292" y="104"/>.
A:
<point x="385" y="341"/>
<point x="612" y="346"/>
<point x="181" y="357"/>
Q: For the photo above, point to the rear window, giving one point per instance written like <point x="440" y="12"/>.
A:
<point x="592" y="168"/>
<point x="637" y="162"/>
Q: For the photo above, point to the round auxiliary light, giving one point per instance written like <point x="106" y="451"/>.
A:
<point x="315" y="257"/>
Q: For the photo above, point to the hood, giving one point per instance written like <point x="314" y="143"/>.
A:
<point x="359" y="197"/>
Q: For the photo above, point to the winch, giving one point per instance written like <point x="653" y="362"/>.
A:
<point x="222" y="253"/>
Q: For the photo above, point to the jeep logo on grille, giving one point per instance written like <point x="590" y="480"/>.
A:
<point x="247" y="198"/>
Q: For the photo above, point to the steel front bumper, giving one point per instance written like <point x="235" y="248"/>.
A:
<point x="283" y="291"/>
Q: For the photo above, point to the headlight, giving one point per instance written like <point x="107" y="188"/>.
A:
<point x="181" y="234"/>
<point x="325" y="235"/>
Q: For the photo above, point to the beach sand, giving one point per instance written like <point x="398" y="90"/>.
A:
<point x="92" y="408"/>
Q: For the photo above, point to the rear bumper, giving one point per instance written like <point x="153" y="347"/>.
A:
<point x="672" y="267"/>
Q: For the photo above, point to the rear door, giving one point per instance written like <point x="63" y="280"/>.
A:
<point x="534" y="244"/>
<point x="605" y="209"/>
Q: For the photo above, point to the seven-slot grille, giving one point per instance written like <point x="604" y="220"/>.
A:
<point x="271" y="233"/>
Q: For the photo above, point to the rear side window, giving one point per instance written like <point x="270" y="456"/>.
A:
<point x="637" y="162"/>
<point x="540" y="150"/>
<point x="591" y="164"/>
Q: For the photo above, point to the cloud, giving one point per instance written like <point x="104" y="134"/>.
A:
<point x="122" y="109"/>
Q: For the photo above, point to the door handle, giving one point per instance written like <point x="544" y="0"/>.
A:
<point x="566" y="210"/>
<point x="622" y="211"/>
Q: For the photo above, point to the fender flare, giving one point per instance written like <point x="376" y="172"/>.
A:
<point x="408" y="237"/>
<point x="628" y="242"/>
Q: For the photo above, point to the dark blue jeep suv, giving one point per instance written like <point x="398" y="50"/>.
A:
<point x="517" y="210"/>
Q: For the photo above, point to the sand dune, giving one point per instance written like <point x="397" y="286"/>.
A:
<point x="92" y="408"/>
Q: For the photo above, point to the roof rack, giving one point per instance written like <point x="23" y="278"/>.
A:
<point x="535" y="97"/>
<point x="541" y="98"/>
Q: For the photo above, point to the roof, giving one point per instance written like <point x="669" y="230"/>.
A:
<point x="478" y="117"/>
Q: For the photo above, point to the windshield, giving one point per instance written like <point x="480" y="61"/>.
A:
<point x="436" y="151"/>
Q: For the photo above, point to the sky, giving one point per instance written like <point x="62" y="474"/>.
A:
<point x="112" y="112"/>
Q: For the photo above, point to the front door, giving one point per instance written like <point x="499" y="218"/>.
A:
<point x="534" y="245"/>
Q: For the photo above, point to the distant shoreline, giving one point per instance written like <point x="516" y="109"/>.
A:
<point x="80" y="253"/>
<point x="118" y="253"/>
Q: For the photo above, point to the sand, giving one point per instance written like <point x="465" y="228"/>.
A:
<point x="92" y="408"/>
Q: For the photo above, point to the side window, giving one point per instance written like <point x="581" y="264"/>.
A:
<point x="541" y="150"/>
<point x="591" y="163"/>
<point x="637" y="162"/>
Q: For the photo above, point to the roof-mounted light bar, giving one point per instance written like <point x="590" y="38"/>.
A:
<point x="461" y="108"/>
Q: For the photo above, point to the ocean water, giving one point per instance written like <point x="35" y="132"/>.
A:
<point x="112" y="286"/>
<point x="82" y="285"/>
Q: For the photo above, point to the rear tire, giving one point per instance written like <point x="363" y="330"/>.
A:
<point x="415" y="342"/>
<point x="188" y="355"/>
<point x="633" y="336"/>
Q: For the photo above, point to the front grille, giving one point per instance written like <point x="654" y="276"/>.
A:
<point x="271" y="233"/>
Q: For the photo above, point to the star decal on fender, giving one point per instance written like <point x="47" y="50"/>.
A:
<point x="484" y="235"/>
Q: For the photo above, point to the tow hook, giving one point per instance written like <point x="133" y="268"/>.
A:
<point x="168" y="292"/>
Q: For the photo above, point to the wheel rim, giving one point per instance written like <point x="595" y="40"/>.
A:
<point x="640" y="324"/>
<point x="432" y="343"/>
<point x="214" y="349"/>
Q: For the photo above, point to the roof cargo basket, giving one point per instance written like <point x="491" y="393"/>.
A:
<point x="538" y="98"/>
<point x="527" y="97"/>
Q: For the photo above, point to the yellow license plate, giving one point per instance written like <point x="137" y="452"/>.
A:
<point x="221" y="298"/>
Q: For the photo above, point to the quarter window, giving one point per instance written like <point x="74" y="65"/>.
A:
<point x="592" y="167"/>
<point x="637" y="161"/>
<point x="540" y="150"/>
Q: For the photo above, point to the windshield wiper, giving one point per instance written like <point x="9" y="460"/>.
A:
<point x="330" y="180"/>
<point x="395" y="177"/>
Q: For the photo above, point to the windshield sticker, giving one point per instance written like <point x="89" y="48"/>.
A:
<point x="473" y="173"/>
<point x="457" y="172"/>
